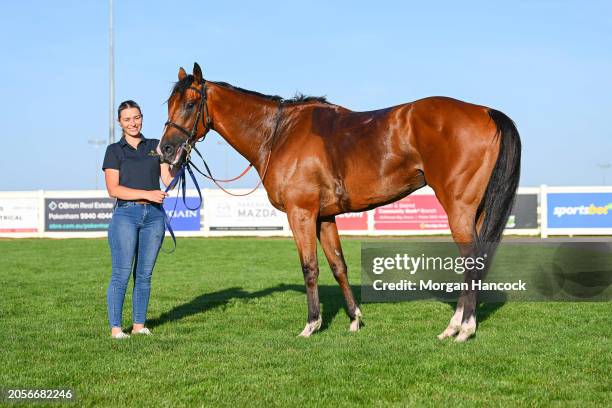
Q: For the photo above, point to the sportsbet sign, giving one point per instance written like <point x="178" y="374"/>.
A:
<point x="579" y="210"/>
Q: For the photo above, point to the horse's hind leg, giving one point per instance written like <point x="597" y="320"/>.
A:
<point x="455" y="322"/>
<point x="330" y="242"/>
<point x="461" y="221"/>
<point x="461" y="210"/>
<point x="303" y="225"/>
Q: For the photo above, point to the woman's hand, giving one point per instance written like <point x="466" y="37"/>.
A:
<point x="156" y="196"/>
<point x="167" y="173"/>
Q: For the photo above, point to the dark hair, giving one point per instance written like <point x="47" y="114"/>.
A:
<point x="126" y="105"/>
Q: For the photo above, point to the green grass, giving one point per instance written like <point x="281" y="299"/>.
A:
<point x="225" y="314"/>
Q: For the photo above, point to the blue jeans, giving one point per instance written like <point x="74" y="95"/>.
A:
<point x="135" y="235"/>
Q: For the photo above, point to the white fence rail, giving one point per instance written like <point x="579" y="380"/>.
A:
<point x="540" y="211"/>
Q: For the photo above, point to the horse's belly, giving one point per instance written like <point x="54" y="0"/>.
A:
<point x="368" y="194"/>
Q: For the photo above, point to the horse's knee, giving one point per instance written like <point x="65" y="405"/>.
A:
<point x="339" y="270"/>
<point x="311" y="273"/>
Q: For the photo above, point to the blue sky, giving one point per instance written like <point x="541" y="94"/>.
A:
<point x="547" y="64"/>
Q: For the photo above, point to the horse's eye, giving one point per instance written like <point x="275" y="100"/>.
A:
<point x="190" y="105"/>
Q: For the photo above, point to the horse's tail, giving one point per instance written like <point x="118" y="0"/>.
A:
<point x="496" y="204"/>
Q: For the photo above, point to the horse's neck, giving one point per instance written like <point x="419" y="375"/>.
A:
<point x="245" y="121"/>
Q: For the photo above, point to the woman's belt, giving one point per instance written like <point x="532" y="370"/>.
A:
<point x="136" y="202"/>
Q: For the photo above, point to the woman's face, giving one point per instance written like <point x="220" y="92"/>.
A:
<point x="131" y="121"/>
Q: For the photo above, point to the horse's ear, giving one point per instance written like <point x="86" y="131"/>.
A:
<point x="197" y="72"/>
<point x="182" y="74"/>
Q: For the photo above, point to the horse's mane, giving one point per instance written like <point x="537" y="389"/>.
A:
<point x="184" y="84"/>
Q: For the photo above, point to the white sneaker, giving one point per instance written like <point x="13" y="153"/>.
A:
<point x="120" y="335"/>
<point x="144" y="331"/>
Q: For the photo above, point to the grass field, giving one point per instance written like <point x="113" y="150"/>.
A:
<point x="225" y="314"/>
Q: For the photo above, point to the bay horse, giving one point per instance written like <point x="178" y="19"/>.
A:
<point x="318" y="160"/>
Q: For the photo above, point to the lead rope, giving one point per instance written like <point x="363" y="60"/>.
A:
<point x="210" y="177"/>
<point x="181" y="178"/>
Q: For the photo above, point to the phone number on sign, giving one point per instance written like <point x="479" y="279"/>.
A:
<point x="37" y="394"/>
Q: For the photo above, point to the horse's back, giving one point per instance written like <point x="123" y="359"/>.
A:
<point x="341" y="126"/>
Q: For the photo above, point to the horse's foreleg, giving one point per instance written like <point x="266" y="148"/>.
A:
<point x="303" y="224"/>
<point x="330" y="242"/>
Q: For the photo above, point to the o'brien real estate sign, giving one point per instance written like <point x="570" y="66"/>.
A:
<point x="78" y="214"/>
<point x="528" y="270"/>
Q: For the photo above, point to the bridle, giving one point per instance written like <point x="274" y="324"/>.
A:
<point x="203" y="114"/>
<point x="189" y="145"/>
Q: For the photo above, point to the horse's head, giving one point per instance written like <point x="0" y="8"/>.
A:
<point x="188" y="117"/>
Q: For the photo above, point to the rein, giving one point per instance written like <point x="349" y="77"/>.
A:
<point x="270" y="142"/>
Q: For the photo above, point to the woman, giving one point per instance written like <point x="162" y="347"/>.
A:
<point x="132" y="171"/>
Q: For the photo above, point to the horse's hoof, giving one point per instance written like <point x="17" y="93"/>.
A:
<point x="311" y="327"/>
<point x="356" y="323"/>
<point x="467" y="330"/>
<point x="463" y="336"/>
<point x="449" y="332"/>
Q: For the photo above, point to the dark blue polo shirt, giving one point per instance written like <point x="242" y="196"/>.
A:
<point x="138" y="168"/>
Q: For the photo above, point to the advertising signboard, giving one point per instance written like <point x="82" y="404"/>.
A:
<point x="18" y="215"/>
<point x="579" y="210"/>
<point x="352" y="221"/>
<point x="78" y="214"/>
<point x="249" y="213"/>
<point x="183" y="218"/>
<point x="524" y="213"/>
<point x="412" y="213"/>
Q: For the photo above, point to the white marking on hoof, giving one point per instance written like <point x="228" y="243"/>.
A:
<point x="467" y="330"/>
<point x="449" y="332"/>
<point x="356" y="323"/>
<point x="453" y="326"/>
<point x="311" y="327"/>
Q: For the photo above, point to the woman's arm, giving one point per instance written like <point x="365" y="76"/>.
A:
<point x="125" y="193"/>
<point x="167" y="174"/>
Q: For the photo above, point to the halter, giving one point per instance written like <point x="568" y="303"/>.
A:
<point x="192" y="136"/>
